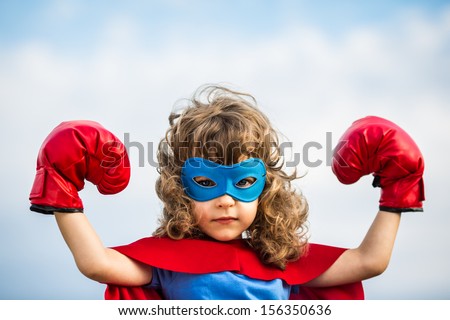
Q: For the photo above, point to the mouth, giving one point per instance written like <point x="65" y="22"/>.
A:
<point x="225" y="220"/>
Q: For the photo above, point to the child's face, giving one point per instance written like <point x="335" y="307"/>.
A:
<point x="224" y="218"/>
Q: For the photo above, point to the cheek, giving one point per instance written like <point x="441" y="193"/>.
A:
<point x="198" y="211"/>
<point x="251" y="210"/>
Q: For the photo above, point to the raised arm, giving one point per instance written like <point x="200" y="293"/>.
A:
<point x="378" y="146"/>
<point x="369" y="259"/>
<point x="72" y="152"/>
<point x="93" y="259"/>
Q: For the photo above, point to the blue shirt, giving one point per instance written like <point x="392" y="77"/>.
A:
<point x="217" y="286"/>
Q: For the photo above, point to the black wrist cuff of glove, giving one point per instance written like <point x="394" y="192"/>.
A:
<point x="400" y="210"/>
<point x="52" y="210"/>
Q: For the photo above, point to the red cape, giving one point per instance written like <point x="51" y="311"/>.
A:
<point x="204" y="256"/>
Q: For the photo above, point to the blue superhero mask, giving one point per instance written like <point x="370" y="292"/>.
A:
<point x="204" y="180"/>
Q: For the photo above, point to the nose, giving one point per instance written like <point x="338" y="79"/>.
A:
<point x="225" y="201"/>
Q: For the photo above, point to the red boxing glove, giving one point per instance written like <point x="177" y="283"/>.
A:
<point x="72" y="152"/>
<point x="378" y="146"/>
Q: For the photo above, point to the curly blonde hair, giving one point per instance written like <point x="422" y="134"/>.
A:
<point x="225" y="126"/>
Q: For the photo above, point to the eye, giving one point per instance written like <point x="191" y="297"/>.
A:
<point x="246" y="182"/>
<point x="204" y="182"/>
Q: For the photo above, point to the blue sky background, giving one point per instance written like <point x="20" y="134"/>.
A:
<point x="314" y="67"/>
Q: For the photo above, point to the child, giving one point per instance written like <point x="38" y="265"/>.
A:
<point x="232" y="226"/>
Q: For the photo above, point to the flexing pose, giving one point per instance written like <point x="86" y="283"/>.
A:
<point x="232" y="226"/>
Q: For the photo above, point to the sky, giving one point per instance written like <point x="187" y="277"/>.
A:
<point x="313" y="66"/>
